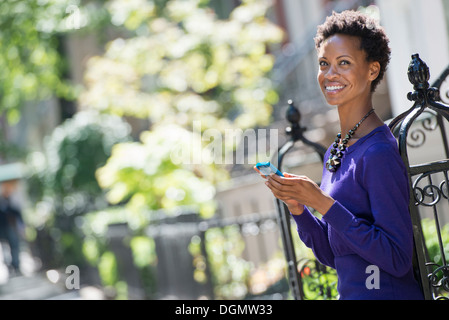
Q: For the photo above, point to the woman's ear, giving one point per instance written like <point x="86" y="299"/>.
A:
<point x="374" y="70"/>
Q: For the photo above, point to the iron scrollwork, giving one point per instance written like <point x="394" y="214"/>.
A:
<point x="417" y="136"/>
<point x="425" y="192"/>
<point x="430" y="191"/>
<point x="319" y="281"/>
<point x="439" y="280"/>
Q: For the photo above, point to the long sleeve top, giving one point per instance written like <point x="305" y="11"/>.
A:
<point x="367" y="233"/>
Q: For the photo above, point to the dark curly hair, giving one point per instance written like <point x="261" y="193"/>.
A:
<point x="374" y="40"/>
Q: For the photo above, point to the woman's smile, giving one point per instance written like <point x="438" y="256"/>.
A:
<point x="334" y="88"/>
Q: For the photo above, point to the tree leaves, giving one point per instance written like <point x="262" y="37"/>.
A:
<point x="181" y="66"/>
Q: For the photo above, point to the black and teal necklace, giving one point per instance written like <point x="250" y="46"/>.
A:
<point x="338" y="148"/>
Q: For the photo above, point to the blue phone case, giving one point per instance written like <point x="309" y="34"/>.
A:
<point x="267" y="168"/>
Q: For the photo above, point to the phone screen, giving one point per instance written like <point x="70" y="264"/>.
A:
<point x="266" y="168"/>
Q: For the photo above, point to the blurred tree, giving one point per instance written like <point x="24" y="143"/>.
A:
<point x="32" y="58"/>
<point x="63" y="183"/>
<point x="31" y="65"/>
<point x="188" y="73"/>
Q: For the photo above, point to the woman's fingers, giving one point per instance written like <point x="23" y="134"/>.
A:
<point x="281" y="180"/>
<point x="280" y="191"/>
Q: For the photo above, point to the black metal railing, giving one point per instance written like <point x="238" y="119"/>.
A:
<point x="308" y="279"/>
<point x="221" y="257"/>
<point x="428" y="180"/>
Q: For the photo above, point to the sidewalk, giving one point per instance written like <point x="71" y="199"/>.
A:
<point x="33" y="284"/>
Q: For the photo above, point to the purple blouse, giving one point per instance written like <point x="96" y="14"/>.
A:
<point x="367" y="234"/>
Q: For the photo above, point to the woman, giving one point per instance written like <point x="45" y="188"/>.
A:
<point x="365" y="232"/>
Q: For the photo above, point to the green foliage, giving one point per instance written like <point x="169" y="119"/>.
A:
<point x="62" y="181"/>
<point x="434" y="251"/>
<point x="108" y="269"/>
<point x="180" y="65"/>
<point x="186" y="64"/>
<point x="144" y="251"/>
<point x="97" y="252"/>
<point x="230" y="272"/>
<point x="31" y="64"/>
<point x="144" y="175"/>
<point x="74" y="151"/>
<point x="432" y="243"/>
<point x="319" y="282"/>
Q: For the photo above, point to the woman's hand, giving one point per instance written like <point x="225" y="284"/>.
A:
<point x="297" y="191"/>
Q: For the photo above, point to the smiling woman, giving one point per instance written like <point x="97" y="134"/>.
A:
<point x="363" y="197"/>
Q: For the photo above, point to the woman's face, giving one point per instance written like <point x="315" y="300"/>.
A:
<point x="344" y="74"/>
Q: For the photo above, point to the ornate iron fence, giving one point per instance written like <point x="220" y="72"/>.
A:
<point x="428" y="180"/>
<point x="308" y="279"/>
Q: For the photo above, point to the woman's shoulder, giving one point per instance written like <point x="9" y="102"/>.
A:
<point x="379" y="140"/>
<point x="381" y="136"/>
<point x="382" y="147"/>
<point x="379" y="160"/>
<point x="379" y="150"/>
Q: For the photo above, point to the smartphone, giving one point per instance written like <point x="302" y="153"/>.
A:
<point x="267" y="168"/>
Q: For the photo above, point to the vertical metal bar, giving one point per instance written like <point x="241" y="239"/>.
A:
<point x="209" y="280"/>
<point x="289" y="250"/>
<point x="296" y="134"/>
<point x="420" y="246"/>
<point x="283" y="218"/>
<point x="443" y="135"/>
<point x="437" y="222"/>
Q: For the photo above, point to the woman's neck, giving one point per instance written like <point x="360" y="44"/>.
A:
<point x="351" y="114"/>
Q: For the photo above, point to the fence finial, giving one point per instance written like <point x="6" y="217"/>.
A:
<point x="294" y="117"/>
<point x="419" y="75"/>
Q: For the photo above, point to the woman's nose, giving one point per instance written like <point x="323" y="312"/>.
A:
<point x="332" y="72"/>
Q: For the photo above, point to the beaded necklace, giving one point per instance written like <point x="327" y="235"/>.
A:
<point x="336" y="153"/>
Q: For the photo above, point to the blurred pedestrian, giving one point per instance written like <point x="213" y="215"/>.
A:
<point x="11" y="224"/>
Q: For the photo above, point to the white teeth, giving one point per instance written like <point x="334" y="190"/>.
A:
<point x="334" y="88"/>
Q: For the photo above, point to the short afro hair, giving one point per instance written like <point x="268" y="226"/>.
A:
<point x="373" y="39"/>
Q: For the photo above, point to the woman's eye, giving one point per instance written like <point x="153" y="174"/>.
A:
<point x="344" y="62"/>
<point x="323" y="63"/>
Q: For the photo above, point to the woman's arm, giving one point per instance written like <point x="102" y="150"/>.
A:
<point x="387" y="240"/>
<point x="314" y="233"/>
<point x="295" y="191"/>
